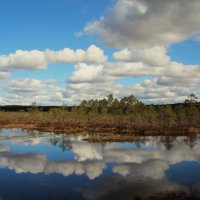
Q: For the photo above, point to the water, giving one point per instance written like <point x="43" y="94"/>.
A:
<point x="35" y="165"/>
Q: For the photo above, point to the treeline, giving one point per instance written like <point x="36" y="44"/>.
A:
<point x="110" y="114"/>
<point x="139" y="114"/>
<point x="19" y="108"/>
<point x="109" y="105"/>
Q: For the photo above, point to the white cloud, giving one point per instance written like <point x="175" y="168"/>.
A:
<point x="171" y="70"/>
<point x="156" y="56"/>
<point x="151" y="91"/>
<point x="169" y="83"/>
<point x="25" y="85"/>
<point x="93" y="54"/>
<point x="76" y="92"/>
<point x="97" y="81"/>
<point x="37" y="60"/>
<point x="90" y="74"/>
<point x="132" y="69"/>
<point x="24" y="91"/>
<point x="4" y="148"/>
<point x="29" y="60"/>
<point x="4" y="75"/>
<point x="133" y="23"/>
<point x="86" y="73"/>
<point x="145" y="29"/>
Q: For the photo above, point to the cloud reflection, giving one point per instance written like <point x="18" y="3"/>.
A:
<point x="150" y="161"/>
<point x="35" y="163"/>
<point x="23" y="163"/>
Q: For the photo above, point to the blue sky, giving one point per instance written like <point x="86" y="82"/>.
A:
<point x="46" y="24"/>
<point x="129" y="46"/>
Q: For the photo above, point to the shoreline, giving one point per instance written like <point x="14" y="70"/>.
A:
<point x="112" y="133"/>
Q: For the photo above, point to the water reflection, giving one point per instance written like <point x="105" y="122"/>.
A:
<point x="69" y="167"/>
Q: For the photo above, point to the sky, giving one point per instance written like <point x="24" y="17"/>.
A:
<point x="56" y="52"/>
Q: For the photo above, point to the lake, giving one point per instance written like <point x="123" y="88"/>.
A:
<point x="36" y="165"/>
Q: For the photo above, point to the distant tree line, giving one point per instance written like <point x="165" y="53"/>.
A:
<point x="110" y="105"/>
<point x="108" y="113"/>
<point x="187" y="112"/>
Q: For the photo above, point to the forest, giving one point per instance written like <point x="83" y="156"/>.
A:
<point x="127" y="115"/>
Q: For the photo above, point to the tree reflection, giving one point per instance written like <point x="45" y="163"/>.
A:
<point x="191" y="140"/>
<point x="139" y="143"/>
<point x="62" y="142"/>
<point x="168" y="141"/>
<point x="65" y="143"/>
<point x="53" y="140"/>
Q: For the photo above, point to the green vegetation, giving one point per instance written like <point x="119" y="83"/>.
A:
<point x="110" y="114"/>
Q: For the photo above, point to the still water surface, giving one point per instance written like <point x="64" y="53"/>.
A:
<point x="35" y="165"/>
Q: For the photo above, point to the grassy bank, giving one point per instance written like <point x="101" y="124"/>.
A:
<point x="128" y="116"/>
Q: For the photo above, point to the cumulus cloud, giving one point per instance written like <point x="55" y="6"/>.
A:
<point x="76" y="92"/>
<point x="132" y="69"/>
<point x="4" y="75"/>
<point x="156" y="56"/>
<point x="90" y="81"/>
<point x="144" y="29"/>
<point x="4" y="148"/>
<point x="90" y="74"/>
<point x="92" y="54"/>
<point x="85" y="73"/>
<point x="133" y="23"/>
<point x="136" y="63"/>
<point x="97" y="81"/>
<point x="172" y="69"/>
<point x="36" y="60"/>
<point x="24" y="91"/>
<point x="25" y="85"/>
<point x="171" y="82"/>
<point x="151" y="91"/>
<point x="30" y="60"/>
